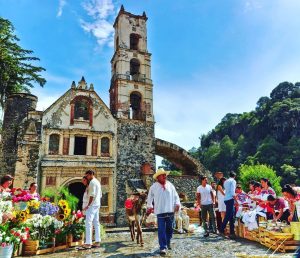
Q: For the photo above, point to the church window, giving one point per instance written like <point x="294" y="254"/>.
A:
<point x="80" y="145"/>
<point x="105" y="147"/>
<point x="104" y="200"/>
<point x="134" y="41"/>
<point x="82" y="109"/>
<point x="50" y="180"/>
<point x="134" y="69"/>
<point x="53" y="144"/>
<point x="135" y="106"/>
<point x="104" y="180"/>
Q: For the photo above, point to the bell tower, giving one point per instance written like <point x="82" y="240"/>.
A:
<point x="131" y="103"/>
<point x="131" y="95"/>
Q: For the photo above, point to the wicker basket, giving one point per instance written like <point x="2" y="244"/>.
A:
<point x="31" y="245"/>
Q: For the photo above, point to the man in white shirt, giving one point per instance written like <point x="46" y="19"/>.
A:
<point x="166" y="202"/>
<point x="206" y="200"/>
<point x="92" y="211"/>
<point x="229" y="186"/>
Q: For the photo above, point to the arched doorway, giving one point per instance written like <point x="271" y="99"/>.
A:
<point x="77" y="189"/>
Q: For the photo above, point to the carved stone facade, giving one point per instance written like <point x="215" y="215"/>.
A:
<point x="79" y="132"/>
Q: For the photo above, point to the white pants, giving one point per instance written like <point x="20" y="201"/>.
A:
<point x="92" y="219"/>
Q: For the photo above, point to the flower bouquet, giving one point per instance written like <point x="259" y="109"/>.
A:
<point x="6" y="210"/>
<point x="48" y="208"/>
<point x="19" y="195"/>
<point x="75" y="226"/>
<point x="10" y="238"/>
<point x="64" y="210"/>
<point x="43" y="228"/>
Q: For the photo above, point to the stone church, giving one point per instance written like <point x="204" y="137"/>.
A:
<point x="79" y="132"/>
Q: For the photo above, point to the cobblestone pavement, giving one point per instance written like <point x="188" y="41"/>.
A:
<point x="117" y="245"/>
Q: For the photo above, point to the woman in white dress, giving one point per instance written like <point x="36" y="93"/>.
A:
<point x="220" y="197"/>
<point x="85" y="198"/>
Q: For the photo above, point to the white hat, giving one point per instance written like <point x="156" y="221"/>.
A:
<point x="159" y="172"/>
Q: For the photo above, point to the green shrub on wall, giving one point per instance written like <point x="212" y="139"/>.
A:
<point x="175" y="173"/>
<point x="256" y="172"/>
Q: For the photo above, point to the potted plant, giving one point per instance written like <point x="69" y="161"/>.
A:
<point x="10" y="238"/>
<point x="42" y="229"/>
<point x="75" y="227"/>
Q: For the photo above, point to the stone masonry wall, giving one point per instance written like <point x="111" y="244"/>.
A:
<point x="186" y="184"/>
<point x="136" y="146"/>
<point x="16" y="109"/>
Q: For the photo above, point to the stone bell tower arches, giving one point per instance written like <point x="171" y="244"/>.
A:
<point x="131" y="103"/>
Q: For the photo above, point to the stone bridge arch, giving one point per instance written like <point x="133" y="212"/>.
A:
<point x="180" y="157"/>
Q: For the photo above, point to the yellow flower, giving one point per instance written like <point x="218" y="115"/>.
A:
<point x="67" y="212"/>
<point x="35" y="204"/>
<point x="61" y="217"/>
<point x="62" y="203"/>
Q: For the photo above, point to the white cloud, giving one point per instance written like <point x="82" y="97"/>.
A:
<point x="61" y="80"/>
<point x="251" y="5"/>
<point x="61" y="5"/>
<point x="101" y="13"/>
<point x="99" y="9"/>
<point x="46" y="97"/>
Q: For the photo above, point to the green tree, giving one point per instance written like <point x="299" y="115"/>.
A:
<point x="256" y="172"/>
<point x="269" y="152"/>
<point x="283" y="90"/>
<point x="168" y="166"/>
<point x="17" y="73"/>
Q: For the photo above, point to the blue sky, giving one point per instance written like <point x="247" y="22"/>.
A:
<point x="209" y="57"/>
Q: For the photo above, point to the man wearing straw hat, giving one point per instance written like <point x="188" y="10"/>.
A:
<point x="166" y="202"/>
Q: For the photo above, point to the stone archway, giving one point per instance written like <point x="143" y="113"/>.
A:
<point x="180" y="157"/>
<point x="77" y="189"/>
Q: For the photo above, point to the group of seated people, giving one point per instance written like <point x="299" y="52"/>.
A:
<point x="263" y="200"/>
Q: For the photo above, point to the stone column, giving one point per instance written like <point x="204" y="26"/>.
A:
<point x="47" y="144"/>
<point x="99" y="147"/>
<point x="110" y="194"/>
<point x="61" y="141"/>
<point x="89" y="145"/>
<point x="71" y="146"/>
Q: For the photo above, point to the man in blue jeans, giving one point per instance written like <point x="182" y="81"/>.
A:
<point x="229" y="186"/>
<point x="166" y="202"/>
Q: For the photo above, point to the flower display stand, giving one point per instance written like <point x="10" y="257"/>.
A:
<point x="71" y="242"/>
<point x="31" y="247"/>
<point x="277" y="241"/>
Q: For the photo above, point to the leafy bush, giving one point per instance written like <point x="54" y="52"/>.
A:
<point x="256" y="172"/>
<point x="175" y="173"/>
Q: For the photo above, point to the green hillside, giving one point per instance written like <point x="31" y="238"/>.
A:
<point x="268" y="135"/>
